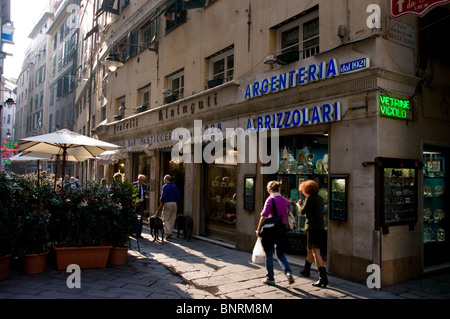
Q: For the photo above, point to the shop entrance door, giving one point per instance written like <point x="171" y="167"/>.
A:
<point x="436" y="219"/>
<point x="301" y="158"/>
<point x="177" y="171"/>
<point x="220" y="201"/>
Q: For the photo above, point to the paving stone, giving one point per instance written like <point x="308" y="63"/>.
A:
<point x="197" y="269"/>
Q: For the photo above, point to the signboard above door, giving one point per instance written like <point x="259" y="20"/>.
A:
<point x="418" y="7"/>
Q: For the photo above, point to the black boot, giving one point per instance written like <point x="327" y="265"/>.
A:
<point x="306" y="269"/>
<point x="323" y="278"/>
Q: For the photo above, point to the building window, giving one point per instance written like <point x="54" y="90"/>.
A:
<point x="52" y="95"/>
<point x="176" y="86"/>
<point x="125" y="4"/>
<point x="41" y="102"/>
<point x="144" y="97"/>
<point x="299" y="38"/>
<point x="221" y="67"/>
<point x="148" y="33"/>
<point x="103" y="113"/>
<point x="174" y="15"/>
<point x="128" y="46"/>
<point x="120" y="106"/>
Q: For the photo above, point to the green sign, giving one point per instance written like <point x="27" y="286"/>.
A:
<point x="395" y="108"/>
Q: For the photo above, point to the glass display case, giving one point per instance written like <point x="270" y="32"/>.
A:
<point x="249" y="192"/>
<point x="338" y="197"/>
<point x="297" y="165"/>
<point x="396" y="200"/>
<point x="434" y="210"/>
<point x="436" y="223"/>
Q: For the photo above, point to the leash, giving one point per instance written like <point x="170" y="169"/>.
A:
<point x="157" y="211"/>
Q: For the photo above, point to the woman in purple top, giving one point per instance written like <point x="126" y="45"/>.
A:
<point x="277" y="242"/>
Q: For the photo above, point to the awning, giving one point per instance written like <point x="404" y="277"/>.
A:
<point x="110" y="157"/>
<point x="135" y="149"/>
<point x="162" y="145"/>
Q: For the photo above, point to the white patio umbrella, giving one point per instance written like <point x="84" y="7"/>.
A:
<point x="23" y="158"/>
<point x="35" y="156"/>
<point x="66" y="143"/>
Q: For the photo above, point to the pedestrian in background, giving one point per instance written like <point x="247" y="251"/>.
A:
<point x="313" y="208"/>
<point x="170" y="199"/>
<point x="118" y="178"/>
<point x="103" y="189"/>
<point x="141" y="206"/>
<point x="71" y="183"/>
<point x="276" y="242"/>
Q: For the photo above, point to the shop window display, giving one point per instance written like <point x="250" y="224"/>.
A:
<point x="300" y="159"/>
<point x="221" y="194"/>
<point x="435" y="220"/>
<point x="396" y="195"/>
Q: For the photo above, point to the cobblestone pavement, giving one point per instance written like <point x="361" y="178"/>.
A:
<point x="198" y="269"/>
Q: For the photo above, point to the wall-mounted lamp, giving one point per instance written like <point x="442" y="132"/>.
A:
<point x="113" y="62"/>
<point x="273" y="59"/>
<point x="270" y="59"/>
<point x="342" y="30"/>
<point x="8" y="134"/>
<point x="10" y="102"/>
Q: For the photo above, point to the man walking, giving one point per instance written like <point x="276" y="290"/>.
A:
<point x="142" y="204"/>
<point x="170" y="198"/>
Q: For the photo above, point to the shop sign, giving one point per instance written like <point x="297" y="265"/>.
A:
<point x="303" y="76"/>
<point x="9" y="146"/>
<point x="401" y="33"/>
<point x="293" y="118"/>
<point x="146" y="140"/>
<point x="166" y="137"/>
<point x="418" y="7"/>
<point x="396" y="108"/>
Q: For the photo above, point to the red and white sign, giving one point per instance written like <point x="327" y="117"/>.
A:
<point x="402" y="7"/>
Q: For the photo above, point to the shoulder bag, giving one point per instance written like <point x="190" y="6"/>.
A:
<point x="274" y="224"/>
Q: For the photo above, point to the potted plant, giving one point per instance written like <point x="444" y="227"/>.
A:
<point x="141" y="108"/>
<point x="33" y="218"/>
<point x="80" y="228"/>
<point x="122" y="218"/>
<point x="8" y="188"/>
<point x="214" y="82"/>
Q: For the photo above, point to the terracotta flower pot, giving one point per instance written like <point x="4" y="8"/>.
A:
<point x="5" y="262"/>
<point x="84" y="257"/>
<point x="35" y="263"/>
<point x="118" y="255"/>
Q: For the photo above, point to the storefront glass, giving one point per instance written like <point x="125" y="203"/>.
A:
<point x="301" y="158"/>
<point x="142" y="166"/>
<point x="220" y="201"/>
<point x="435" y="208"/>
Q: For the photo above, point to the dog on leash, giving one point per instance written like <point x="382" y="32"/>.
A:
<point x="156" y="227"/>
<point x="186" y="224"/>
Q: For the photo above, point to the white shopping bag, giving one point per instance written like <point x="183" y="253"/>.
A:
<point x="258" y="256"/>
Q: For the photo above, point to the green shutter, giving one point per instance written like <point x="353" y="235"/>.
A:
<point x="192" y="4"/>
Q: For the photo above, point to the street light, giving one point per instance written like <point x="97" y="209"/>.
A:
<point x="10" y="102"/>
<point x="112" y="62"/>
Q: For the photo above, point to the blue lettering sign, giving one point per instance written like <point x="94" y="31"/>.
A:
<point x="354" y="66"/>
<point x="303" y="76"/>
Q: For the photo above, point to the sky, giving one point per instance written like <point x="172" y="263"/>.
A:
<point x="25" y="14"/>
